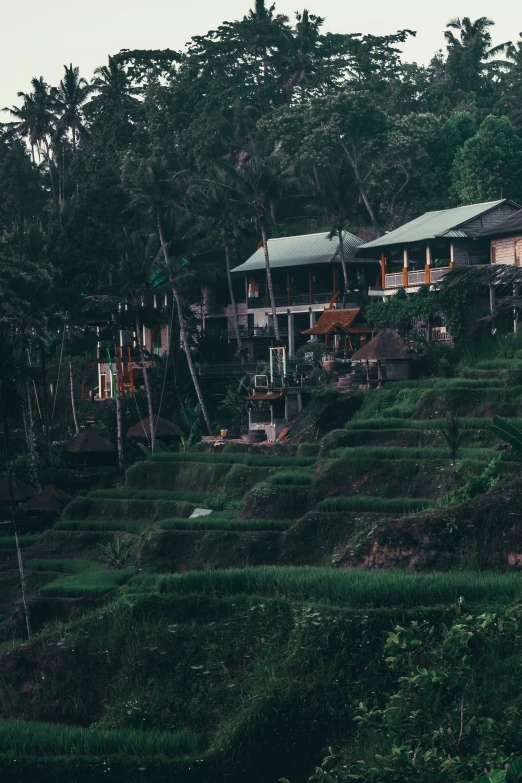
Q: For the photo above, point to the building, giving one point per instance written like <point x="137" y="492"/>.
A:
<point x="342" y="330"/>
<point x="385" y="358"/>
<point x="425" y="249"/>
<point x="307" y="277"/>
<point x="506" y="240"/>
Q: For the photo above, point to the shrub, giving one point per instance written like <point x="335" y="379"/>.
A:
<point x="290" y="477"/>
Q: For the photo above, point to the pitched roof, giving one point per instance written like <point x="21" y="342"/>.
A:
<point x="49" y="499"/>
<point x="334" y="319"/>
<point x="512" y="225"/>
<point x="430" y="225"/>
<point x="384" y="346"/>
<point x="162" y="428"/>
<point x="89" y="442"/>
<point x="21" y="490"/>
<point x="301" y="250"/>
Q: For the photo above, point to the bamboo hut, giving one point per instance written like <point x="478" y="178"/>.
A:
<point x="164" y="430"/>
<point x="385" y="357"/>
<point x="88" y="449"/>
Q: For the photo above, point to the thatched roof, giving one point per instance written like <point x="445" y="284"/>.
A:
<point x="386" y="345"/>
<point x="89" y="442"/>
<point x="330" y="320"/>
<point x="49" y="499"/>
<point x="163" y="428"/>
<point x="21" y="490"/>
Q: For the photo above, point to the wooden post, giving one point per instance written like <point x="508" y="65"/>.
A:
<point x="427" y="268"/>
<point x="131" y="374"/>
<point x="405" y="268"/>
<point x="310" y="288"/>
<point x="383" y="270"/>
<point x="452" y="255"/>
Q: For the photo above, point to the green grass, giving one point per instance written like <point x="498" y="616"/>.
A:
<point x="100" y="525"/>
<point x="350" y="587"/>
<point x="499" y="364"/>
<point x="56" y="564"/>
<point x="411" y="424"/>
<point x="238" y="525"/>
<point x="27" y="738"/>
<point x="92" y="581"/>
<point x="253" y="460"/>
<point x="291" y="477"/>
<point x="8" y="542"/>
<point x="420" y="453"/>
<point x="152" y="494"/>
<point x="450" y="383"/>
<point x="375" y="504"/>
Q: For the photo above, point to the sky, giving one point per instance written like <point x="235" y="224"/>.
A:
<point x="38" y="39"/>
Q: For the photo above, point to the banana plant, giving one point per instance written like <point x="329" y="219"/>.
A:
<point x="506" y="431"/>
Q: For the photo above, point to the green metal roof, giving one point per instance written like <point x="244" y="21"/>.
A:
<point x="301" y="250"/>
<point x="443" y="223"/>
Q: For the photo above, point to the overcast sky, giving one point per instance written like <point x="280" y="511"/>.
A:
<point x="38" y="38"/>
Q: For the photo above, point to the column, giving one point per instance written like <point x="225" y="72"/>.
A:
<point x="492" y="298"/>
<point x="310" y="289"/>
<point x="405" y="268"/>
<point x="383" y="270"/>
<point x="291" y="336"/>
<point x="288" y="300"/>
<point x="313" y="321"/>
<point x="452" y="255"/>
<point x="427" y="268"/>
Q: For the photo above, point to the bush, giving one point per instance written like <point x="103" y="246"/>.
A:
<point x="290" y="477"/>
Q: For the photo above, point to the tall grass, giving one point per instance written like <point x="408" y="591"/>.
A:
<point x="411" y="424"/>
<point x="151" y="494"/>
<point x="375" y="504"/>
<point x="499" y="364"/>
<point x="238" y="525"/>
<point x="27" y="738"/>
<point x="350" y="587"/>
<point x="57" y="564"/>
<point x="254" y="460"/>
<point x="100" y="525"/>
<point x="420" y="453"/>
<point x="450" y="383"/>
<point x="93" y="581"/>
<point x="294" y="477"/>
<point x="8" y="542"/>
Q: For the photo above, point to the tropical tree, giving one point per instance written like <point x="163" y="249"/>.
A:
<point x="69" y="99"/>
<point x="155" y="191"/>
<point x="470" y="55"/>
<point x="11" y="406"/>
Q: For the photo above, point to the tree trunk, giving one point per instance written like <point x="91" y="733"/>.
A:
<point x="183" y="333"/>
<point x="145" y="380"/>
<point x="343" y="264"/>
<point x="15" y="527"/>
<point x="119" y="428"/>
<point x="269" y="281"/>
<point x="71" y="380"/>
<point x="233" y="301"/>
<point x="45" y="399"/>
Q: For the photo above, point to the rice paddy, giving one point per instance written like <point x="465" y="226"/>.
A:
<point x="366" y="503"/>
<point x="253" y="460"/>
<point x="101" y="525"/>
<point x="239" y="525"/>
<point x="91" y="580"/>
<point x="8" y="542"/>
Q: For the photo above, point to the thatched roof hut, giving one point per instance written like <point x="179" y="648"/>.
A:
<point x="89" y="448"/>
<point x="50" y="500"/>
<point x="163" y="429"/>
<point x="21" y="490"/>
<point x="389" y="352"/>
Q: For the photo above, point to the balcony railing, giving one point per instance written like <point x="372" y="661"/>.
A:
<point x="293" y="301"/>
<point x="256" y="331"/>
<point x="416" y="277"/>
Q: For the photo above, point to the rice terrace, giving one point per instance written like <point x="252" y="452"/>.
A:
<point x="261" y="395"/>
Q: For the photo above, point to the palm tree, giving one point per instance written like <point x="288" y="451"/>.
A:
<point x="156" y="191"/>
<point x="113" y="87"/>
<point x="470" y="53"/>
<point x="11" y="406"/>
<point x="213" y="202"/>
<point x="69" y="99"/>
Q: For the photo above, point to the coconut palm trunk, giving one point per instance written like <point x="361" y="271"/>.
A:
<point x="183" y="332"/>
<point x="71" y="381"/>
<point x="269" y="281"/>
<point x="145" y="380"/>
<point x="232" y="300"/>
<point x="119" y="428"/>
<point x="45" y="399"/>
<point x="15" y="527"/>
<point x="343" y="263"/>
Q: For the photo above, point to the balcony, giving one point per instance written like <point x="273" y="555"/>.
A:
<point x="415" y="278"/>
<point x="256" y="331"/>
<point x="294" y="300"/>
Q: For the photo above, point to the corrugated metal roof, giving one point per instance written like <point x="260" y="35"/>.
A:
<point x="432" y="225"/>
<point x="301" y="250"/>
<point x="512" y="225"/>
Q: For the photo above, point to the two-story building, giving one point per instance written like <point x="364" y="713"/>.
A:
<point x="307" y="277"/>
<point x="427" y="248"/>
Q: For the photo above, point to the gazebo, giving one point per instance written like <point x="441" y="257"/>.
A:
<point x="89" y="449"/>
<point x="50" y="500"/>
<point x="385" y="357"/>
<point x="21" y="490"/>
<point x="164" y="429"/>
<point x="342" y="329"/>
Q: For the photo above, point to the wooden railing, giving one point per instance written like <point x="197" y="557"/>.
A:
<point x="416" y="277"/>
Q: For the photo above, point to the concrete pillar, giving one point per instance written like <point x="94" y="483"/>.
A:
<point x="313" y="320"/>
<point x="427" y="268"/>
<point x="452" y="255"/>
<point x="492" y="298"/>
<point x="383" y="270"/>
<point x="405" y="267"/>
<point x="291" y="336"/>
